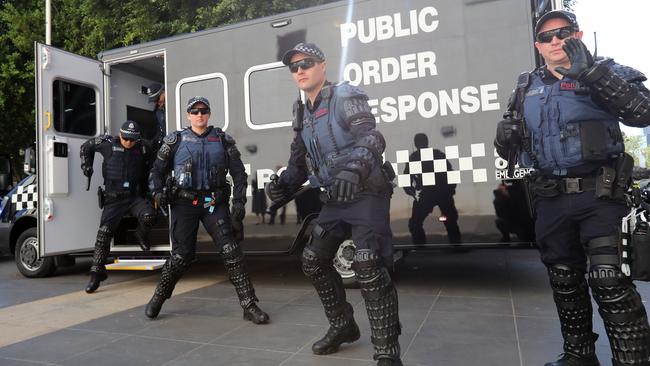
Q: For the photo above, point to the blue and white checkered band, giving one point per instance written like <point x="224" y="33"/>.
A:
<point x="311" y="50"/>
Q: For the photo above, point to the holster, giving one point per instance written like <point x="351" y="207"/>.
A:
<point x="101" y="197"/>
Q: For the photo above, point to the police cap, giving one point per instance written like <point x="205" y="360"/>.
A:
<point x="130" y="130"/>
<point x="307" y="48"/>
<point x="196" y="100"/>
<point x="153" y="92"/>
<point x="562" y="14"/>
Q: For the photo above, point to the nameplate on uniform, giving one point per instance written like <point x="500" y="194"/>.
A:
<point x="321" y="112"/>
<point x="569" y="85"/>
<point x="214" y="139"/>
<point x="118" y="148"/>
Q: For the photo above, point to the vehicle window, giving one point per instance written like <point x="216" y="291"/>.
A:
<point x="75" y="108"/>
<point x="272" y="93"/>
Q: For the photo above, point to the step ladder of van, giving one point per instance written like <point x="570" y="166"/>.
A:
<point x="136" y="264"/>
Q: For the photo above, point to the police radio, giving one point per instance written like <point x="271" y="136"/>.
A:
<point x="298" y="113"/>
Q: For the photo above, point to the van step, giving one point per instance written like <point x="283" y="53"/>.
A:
<point x="135" y="264"/>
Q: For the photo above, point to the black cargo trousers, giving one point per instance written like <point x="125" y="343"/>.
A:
<point x="572" y="228"/>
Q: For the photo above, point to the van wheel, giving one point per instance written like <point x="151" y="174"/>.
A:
<point x="343" y="263"/>
<point x="27" y="259"/>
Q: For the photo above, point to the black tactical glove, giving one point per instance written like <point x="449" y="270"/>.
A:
<point x="505" y="129"/>
<point x="161" y="199"/>
<point x="410" y="191"/>
<point x="275" y="191"/>
<point x="87" y="170"/>
<point x="580" y="57"/>
<point x="237" y="212"/>
<point x="345" y="186"/>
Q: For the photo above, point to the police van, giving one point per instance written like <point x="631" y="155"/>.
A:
<point x="442" y="68"/>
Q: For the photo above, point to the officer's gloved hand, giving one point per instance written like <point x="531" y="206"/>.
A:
<point x="505" y="129"/>
<point x="345" y="186"/>
<point x="410" y="191"/>
<point x="161" y="199"/>
<point x="580" y="57"/>
<point x="237" y="212"/>
<point x="275" y="191"/>
<point x="88" y="171"/>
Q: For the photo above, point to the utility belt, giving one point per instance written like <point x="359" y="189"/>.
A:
<point x="104" y="195"/>
<point x="610" y="181"/>
<point x="204" y="197"/>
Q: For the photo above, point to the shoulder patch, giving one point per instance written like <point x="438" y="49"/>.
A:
<point x="171" y="138"/>
<point x="100" y="139"/>
<point x="354" y="107"/>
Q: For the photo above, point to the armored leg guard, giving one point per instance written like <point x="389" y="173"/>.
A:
<point x="98" y="268"/>
<point x="571" y="296"/>
<point x="233" y="260"/>
<point x="620" y="306"/>
<point x="329" y="286"/>
<point x="145" y="222"/>
<point x="172" y="271"/>
<point x="381" y="304"/>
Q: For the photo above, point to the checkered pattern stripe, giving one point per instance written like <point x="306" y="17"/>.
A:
<point x="25" y="197"/>
<point x="460" y="163"/>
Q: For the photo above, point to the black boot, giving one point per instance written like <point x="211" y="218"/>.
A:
<point x="98" y="268"/>
<point x="145" y="222"/>
<point x="172" y="271"/>
<point x="233" y="260"/>
<point x="389" y="362"/>
<point x="255" y="314"/>
<point x="336" y="336"/>
<point x="380" y="298"/>
<point x="95" y="279"/>
<point x="329" y="286"/>
<point x="623" y="313"/>
<point x="571" y="296"/>
<point x="573" y="360"/>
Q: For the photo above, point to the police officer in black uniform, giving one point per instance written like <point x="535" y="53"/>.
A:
<point x="570" y="134"/>
<point x="156" y="95"/>
<point x="200" y="157"/>
<point x="336" y="133"/>
<point x="125" y="177"/>
<point x="440" y="194"/>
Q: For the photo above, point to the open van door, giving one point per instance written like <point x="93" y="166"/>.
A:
<point x="69" y="111"/>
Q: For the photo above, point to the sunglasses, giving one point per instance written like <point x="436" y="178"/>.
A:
<point x="203" y="111"/>
<point x="304" y="64"/>
<point x="128" y="139"/>
<point x="560" y="33"/>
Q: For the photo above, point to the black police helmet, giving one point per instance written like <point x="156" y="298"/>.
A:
<point x="130" y="130"/>
<point x="153" y="92"/>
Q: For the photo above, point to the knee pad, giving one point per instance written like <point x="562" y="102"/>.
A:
<point x="104" y="234"/>
<point x="565" y="279"/>
<point x="372" y="275"/>
<point x="178" y="261"/>
<point x="310" y="262"/>
<point x="231" y="251"/>
<point x="147" y="219"/>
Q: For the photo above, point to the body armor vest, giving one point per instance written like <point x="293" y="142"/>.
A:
<point x="328" y="143"/>
<point x="124" y="169"/>
<point x="567" y="129"/>
<point x="200" y="162"/>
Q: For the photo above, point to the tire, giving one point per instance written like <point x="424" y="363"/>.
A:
<point x="343" y="264"/>
<point x="26" y="256"/>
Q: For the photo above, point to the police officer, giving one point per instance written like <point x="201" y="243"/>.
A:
<point x="200" y="157"/>
<point x="336" y="133"/>
<point x="440" y="194"/>
<point x="125" y="177"/>
<point x="156" y="95"/>
<point x="571" y="108"/>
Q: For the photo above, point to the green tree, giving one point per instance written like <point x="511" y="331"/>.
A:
<point x="635" y="146"/>
<point x="87" y="27"/>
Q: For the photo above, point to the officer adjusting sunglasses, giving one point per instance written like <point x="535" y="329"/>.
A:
<point x="196" y="111"/>
<point x="305" y="64"/>
<point x="560" y="33"/>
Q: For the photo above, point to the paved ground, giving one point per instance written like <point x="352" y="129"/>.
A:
<point x="483" y="307"/>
